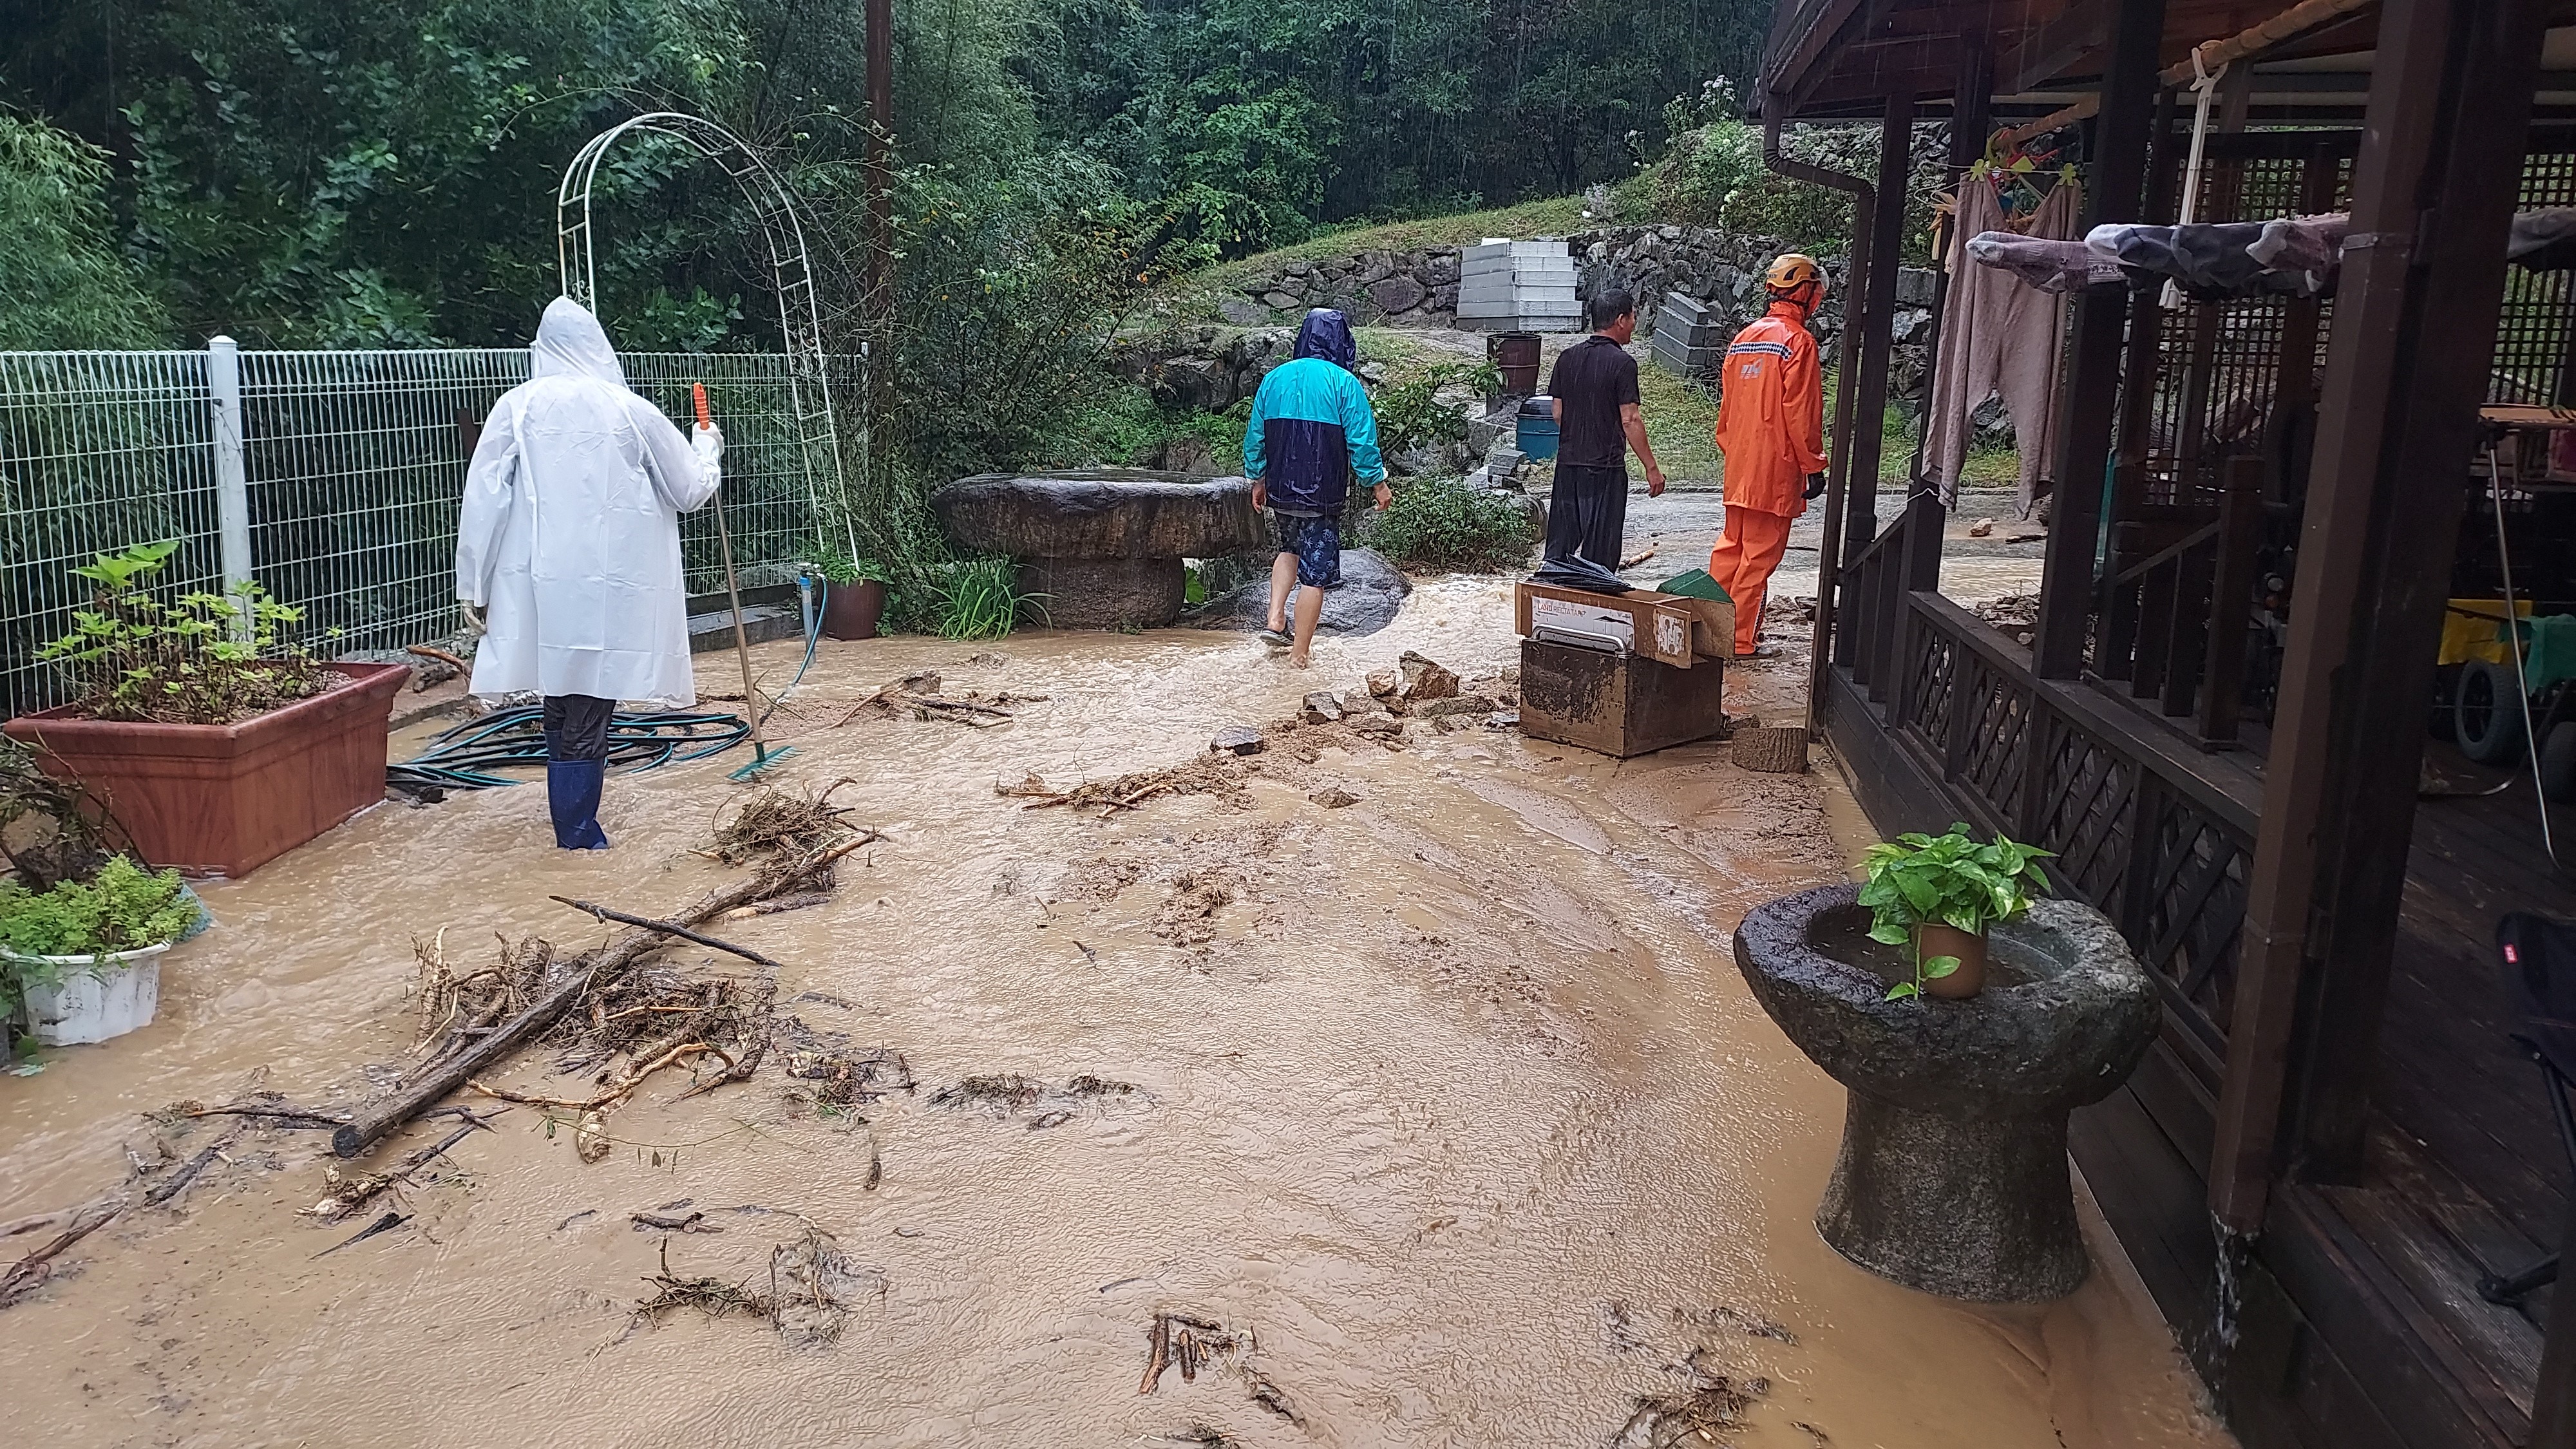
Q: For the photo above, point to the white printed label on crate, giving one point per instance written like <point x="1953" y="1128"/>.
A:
<point x="1672" y="635"/>
<point x="1577" y="618"/>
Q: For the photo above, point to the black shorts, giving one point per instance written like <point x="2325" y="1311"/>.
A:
<point x="1317" y="543"/>
<point x="577" y="726"/>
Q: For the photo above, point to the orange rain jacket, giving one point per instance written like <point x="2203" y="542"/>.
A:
<point x="1771" y="413"/>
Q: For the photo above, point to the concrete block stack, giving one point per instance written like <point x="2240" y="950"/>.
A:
<point x="1518" y="286"/>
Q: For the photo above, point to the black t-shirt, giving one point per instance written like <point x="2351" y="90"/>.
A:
<point x="1593" y="379"/>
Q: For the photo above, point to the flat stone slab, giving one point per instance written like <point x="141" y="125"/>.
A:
<point x="1371" y="594"/>
<point x="1102" y="513"/>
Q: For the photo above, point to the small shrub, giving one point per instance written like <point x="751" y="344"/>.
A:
<point x="1410" y="412"/>
<point x="179" y="663"/>
<point x="124" y="908"/>
<point x="1440" y="524"/>
<point x="981" y="599"/>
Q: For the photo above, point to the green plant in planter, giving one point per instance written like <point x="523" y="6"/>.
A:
<point x="124" y="908"/>
<point x="1947" y="880"/>
<point x="184" y="661"/>
<point x="837" y="567"/>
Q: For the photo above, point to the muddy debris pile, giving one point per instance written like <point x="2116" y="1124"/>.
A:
<point x="923" y="696"/>
<point x="1193" y="1341"/>
<point x="1006" y="1095"/>
<point x="814" y="1289"/>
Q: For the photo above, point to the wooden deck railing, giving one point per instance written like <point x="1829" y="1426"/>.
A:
<point x="2178" y="604"/>
<point x="2144" y="829"/>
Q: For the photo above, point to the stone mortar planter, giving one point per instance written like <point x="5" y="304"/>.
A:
<point x="226" y="799"/>
<point x="1953" y="1174"/>
<point x="1103" y="545"/>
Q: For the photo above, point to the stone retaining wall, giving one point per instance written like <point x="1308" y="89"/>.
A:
<point x="1420" y="288"/>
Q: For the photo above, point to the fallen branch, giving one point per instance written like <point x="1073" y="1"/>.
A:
<point x="30" y="1272"/>
<point x="298" y="1115"/>
<point x="774" y="907"/>
<point x="668" y="928"/>
<point x="170" y="1187"/>
<point x="592" y="970"/>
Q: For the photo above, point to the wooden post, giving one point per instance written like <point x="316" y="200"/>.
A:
<point x="2093" y="376"/>
<point x="1868" y="441"/>
<point x="2403" y="379"/>
<point x="2446" y="354"/>
<point x="2231" y="603"/>
<point x="1924" y="515"/>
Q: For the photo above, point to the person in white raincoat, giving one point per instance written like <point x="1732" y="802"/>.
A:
<point x="569" y="540"/>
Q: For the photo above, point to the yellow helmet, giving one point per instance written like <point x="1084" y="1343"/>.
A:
<point x="1793" y="270"/>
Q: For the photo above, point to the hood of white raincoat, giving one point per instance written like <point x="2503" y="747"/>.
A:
<point x="571" y="343"/>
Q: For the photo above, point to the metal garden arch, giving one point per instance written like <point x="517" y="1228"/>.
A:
<point x="800" y="314"/>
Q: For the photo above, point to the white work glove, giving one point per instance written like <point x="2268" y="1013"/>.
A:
<point x="708" y="439"/>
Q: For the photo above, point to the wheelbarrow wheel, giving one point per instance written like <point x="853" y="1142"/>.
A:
<point x="2486" y="716"/>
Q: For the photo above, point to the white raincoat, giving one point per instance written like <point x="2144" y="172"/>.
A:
<point x="569" y="537"/>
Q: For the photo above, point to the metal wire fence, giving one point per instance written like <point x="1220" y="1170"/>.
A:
<point x="349" y="469"/>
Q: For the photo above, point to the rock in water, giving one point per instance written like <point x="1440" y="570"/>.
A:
<point x="1371" y="592"/>
<point x="1236" y="740"/>
<point x="1334" y="797"/>
<point x="1322" y="707"/>
<point x="1424" y="679"/>
<point x="1383" y="682"/>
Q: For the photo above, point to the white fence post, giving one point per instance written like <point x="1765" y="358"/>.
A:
<point x="232" y="479"/>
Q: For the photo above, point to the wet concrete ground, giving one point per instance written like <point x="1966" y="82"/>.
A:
<point x="1451" y="1098"/>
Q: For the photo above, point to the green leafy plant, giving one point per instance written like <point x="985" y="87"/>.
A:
<point x="124" y="908"/>
<point x="837" y="567"/>
<point x="1440" y="524"/>
<point x="202" y="658"/>
<point x="1948" y="880"/>
<point x="1410" y="412"/>
<point x="981" y="599"/>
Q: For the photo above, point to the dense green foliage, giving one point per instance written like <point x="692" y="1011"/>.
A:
<point x="1440" y="524"/>
<point x="64" y="282"/>
<point x="124" y="909"/>
<point x="1708" y="169"/>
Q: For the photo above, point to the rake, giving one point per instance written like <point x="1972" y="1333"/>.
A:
<point x="762" y="756"/>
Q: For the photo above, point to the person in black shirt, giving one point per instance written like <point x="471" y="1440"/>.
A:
<point x="1594" y="386"/>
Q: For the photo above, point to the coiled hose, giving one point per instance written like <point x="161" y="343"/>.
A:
<point x="464" y="756"/>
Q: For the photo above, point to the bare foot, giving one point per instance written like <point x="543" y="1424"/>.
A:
<point x="1296" y="661"/>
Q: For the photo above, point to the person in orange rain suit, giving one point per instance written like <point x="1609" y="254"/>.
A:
<point x="1771" y="427"/>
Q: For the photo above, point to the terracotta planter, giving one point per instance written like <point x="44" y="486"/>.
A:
<point x="1969" y="946"/>
<point x="851" y="611"/>
<point x="227" y="799"/>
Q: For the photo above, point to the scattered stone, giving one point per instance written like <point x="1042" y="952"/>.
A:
<point x="1981" y="528"/>
<point x="1236" y="740"/>
<point x="2024" y="537"/>
<point x="1424" y="679"/>
<point x="1334" y="797"/>
<point x="1356" y="704"/>
<point x="1378" y="724"/>
<point x="1383" y="682"/>
<point x="1322" y="707"/>
<point x="1456" y="704"/>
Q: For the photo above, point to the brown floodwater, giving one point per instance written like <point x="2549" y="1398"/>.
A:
<point x="1458" y="1107"/>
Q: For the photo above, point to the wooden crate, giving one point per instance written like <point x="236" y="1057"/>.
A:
<point x="1617" y="704"/>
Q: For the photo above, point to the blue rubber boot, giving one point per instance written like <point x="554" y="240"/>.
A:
<point x="572" y="797"/>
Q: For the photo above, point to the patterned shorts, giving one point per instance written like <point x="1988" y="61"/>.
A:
<point x="1317" y="542"/>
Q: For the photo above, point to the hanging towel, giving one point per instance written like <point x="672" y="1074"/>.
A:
<point x="2544" y="241"/>
<point x="2310" y="244"/>
<point x="1999" y="333"/>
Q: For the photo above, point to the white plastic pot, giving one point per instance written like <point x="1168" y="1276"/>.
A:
<point x="98" y="997"/>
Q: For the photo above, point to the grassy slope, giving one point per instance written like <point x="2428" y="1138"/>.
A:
<point x="1553" y="217"/>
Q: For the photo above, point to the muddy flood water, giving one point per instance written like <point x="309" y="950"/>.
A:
<point x="1447" y="1107"/>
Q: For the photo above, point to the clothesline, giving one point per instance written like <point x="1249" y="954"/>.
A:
<point x="2216" y="261"/>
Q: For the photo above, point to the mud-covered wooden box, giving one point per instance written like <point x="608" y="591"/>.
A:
<point x="1617" y="704"/>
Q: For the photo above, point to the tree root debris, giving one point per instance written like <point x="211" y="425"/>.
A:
<point x="774" y="821"/>
<point x="814" y="1289"/>
<point x="1191" y="1342"/>
<point x="921" y="696"/>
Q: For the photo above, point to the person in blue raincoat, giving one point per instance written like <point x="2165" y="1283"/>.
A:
<point x="1311" y="430"/>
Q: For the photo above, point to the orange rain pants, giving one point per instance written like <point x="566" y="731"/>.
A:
<point x="1746" y="553"/>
